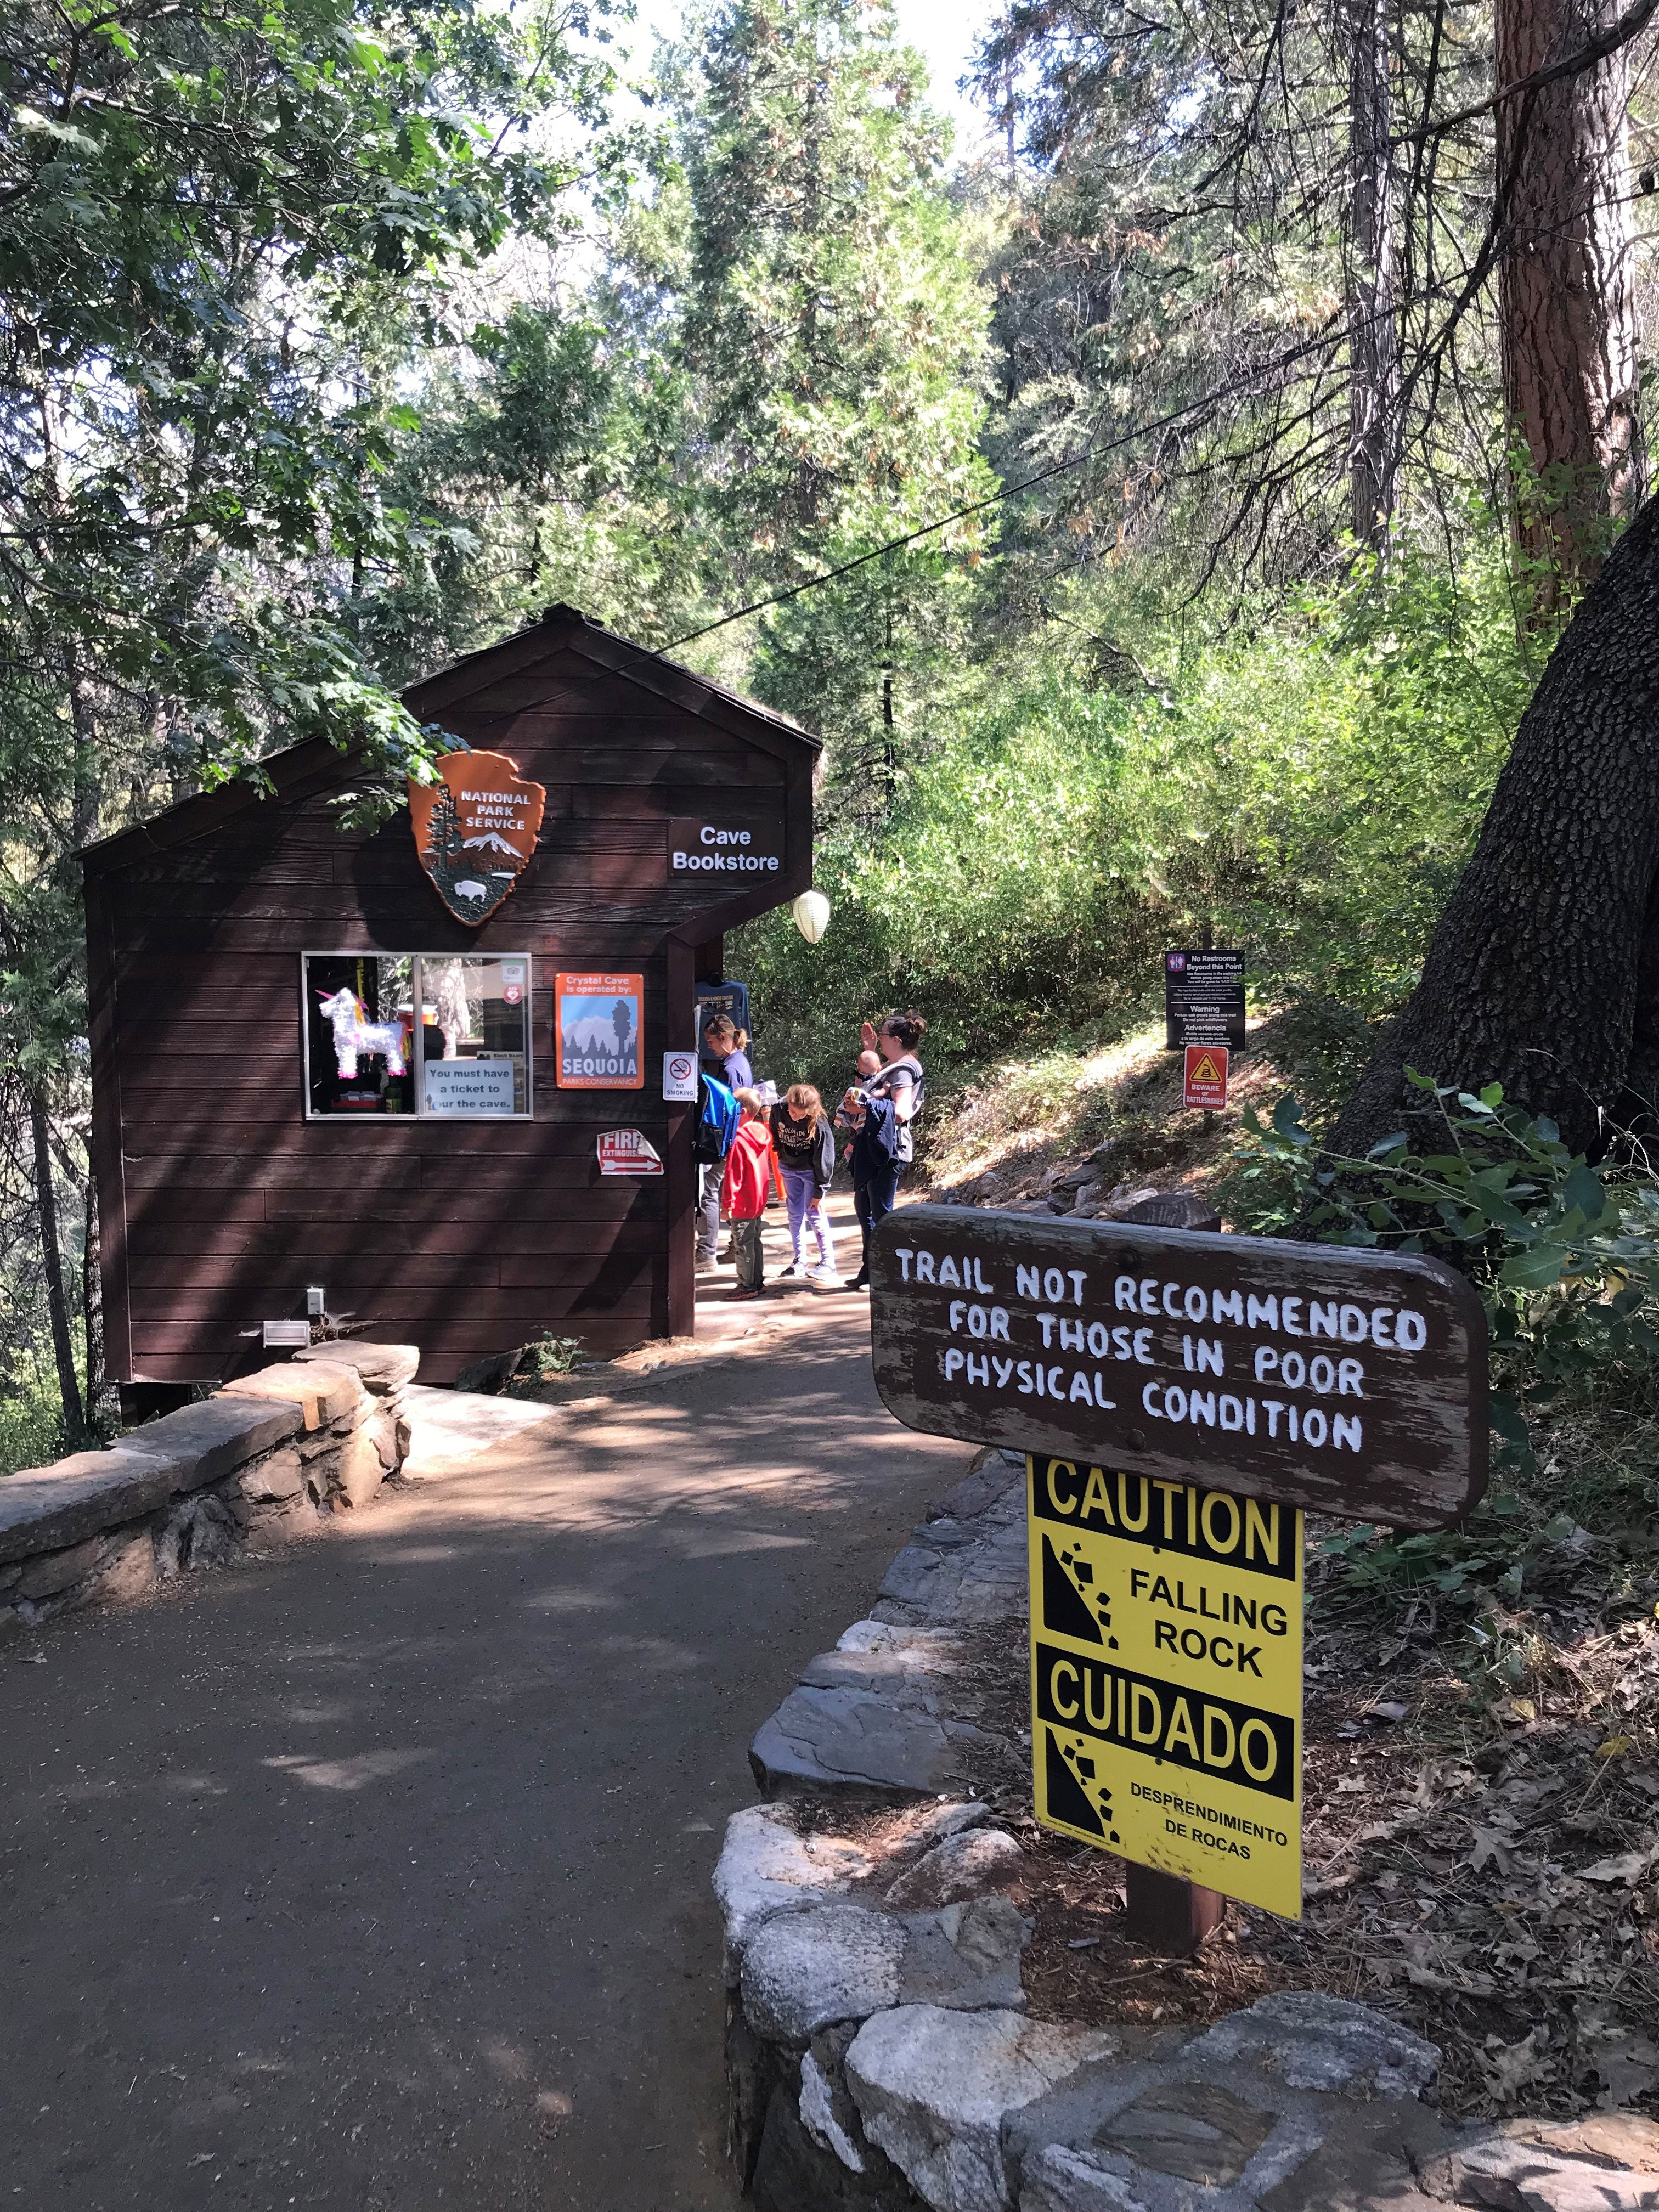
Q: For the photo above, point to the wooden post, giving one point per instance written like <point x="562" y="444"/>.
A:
<point x="1166" y="1913"/>
<point x="682" y="1172"/>
<point x="1162" y="1910"/>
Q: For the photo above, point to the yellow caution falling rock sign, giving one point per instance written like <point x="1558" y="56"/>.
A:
<point x="1166" y="1676"/>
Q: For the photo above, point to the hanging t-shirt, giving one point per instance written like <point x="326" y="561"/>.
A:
<point x="731" y="998"/>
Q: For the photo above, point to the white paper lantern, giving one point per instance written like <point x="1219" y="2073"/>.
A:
<point x="812" y="912"/>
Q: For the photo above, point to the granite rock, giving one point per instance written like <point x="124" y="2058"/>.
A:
<point x="932" y="2088"/>
<point x="1311" y="2041"/>
<point x="841" y="1738"/>
<point x="966" y="1956"/>
<point x="963" y="1866"/>
<point x="813" y="1965"/>
<point x="765" y="1867"/>
<point x="1536" y="2170"/>
<point x="827" y="2111"/>
<point x="199" y="1531"/>
<point x="794" y="2172"/>
<point x="1059" y="2179"/>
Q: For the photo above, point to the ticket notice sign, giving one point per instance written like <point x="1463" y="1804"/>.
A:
<point x="472" y="1086"/>
<point x="1166" y="1676"/>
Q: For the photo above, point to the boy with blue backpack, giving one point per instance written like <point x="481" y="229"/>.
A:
<point x="712" y="1132"/>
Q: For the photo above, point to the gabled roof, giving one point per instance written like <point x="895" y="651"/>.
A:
<point x="565" y="629"/>
<point x="314" y="765"/>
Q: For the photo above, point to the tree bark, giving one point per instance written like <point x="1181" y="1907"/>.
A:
<point x="1543" y="974"/>
<point x="1566" y="291"/>
<point x="1374" y="343"/>
<point x="51" y="1261"/>
<point x="103" y="1399"/>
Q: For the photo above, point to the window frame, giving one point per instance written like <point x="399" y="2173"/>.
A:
<point x="417" y="1070"/>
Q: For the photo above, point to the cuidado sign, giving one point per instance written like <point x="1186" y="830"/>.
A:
<point x="1166" y="1676"/>
<point x="1180" y="1399"/>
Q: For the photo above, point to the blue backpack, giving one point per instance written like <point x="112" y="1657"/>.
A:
<point x="716" y="1122"/>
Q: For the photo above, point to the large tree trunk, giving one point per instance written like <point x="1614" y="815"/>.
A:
<point x="1566" y="289"/>
<point x="51" y="1261"/>
<point x="1544" y="971"/>
<point x="1374" y="341"/>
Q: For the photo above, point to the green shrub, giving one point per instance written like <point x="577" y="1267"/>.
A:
<point x="1564" y="1254"/>
<point x="31" y="1416"/>
<point x="1309" y="789"/>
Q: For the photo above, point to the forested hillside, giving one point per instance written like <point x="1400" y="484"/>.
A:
<point x="1165" y="520"/>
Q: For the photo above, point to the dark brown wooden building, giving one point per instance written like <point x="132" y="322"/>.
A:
<point x="245" y="1151"/>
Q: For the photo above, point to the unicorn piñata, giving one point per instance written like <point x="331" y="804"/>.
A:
<point x="354" y="1033"/>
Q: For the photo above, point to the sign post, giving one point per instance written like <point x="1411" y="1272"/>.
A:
<point x="1181" y="1399"/>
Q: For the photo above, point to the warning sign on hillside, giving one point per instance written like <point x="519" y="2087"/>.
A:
<point x="1206" y="1076"/>
<point x="1166" y="1676"/>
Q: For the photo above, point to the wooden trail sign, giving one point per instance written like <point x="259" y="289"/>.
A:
<point x="1324" y="1378"/>
<point x="1166" y="1676"/>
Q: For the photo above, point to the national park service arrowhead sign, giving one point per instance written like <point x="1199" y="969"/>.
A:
<point x="475" y="830"/>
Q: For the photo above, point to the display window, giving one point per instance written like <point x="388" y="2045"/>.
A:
<point x="442" y="1036"/>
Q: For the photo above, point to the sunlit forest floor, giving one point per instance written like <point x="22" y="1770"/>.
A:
<point x="1482" y="1720"/>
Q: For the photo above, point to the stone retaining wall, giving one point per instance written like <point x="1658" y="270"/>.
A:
<point x="260" y="1461"/>
<point x="879" y="2056"/>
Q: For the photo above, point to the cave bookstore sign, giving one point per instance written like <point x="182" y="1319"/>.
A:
<point x="1166" y="1676"/>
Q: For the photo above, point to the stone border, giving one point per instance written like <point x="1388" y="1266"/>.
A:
<point x="878" y="2054"/>
<point x="258" y="1463"/>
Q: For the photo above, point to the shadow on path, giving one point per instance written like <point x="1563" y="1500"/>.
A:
<point x="376" y="1874"/>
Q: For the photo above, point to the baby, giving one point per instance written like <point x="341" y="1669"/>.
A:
<point x="849" y="1114"/>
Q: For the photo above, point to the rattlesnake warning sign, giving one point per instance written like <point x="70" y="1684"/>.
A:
<point x="1166" y="1676"/>
<point x="1206" y="1080"/>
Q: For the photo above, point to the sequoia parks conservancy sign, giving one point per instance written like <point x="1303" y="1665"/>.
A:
<point x="475" y="830"/>
<point x="1344" y="1381"/>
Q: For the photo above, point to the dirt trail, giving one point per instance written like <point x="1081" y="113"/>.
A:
<point x="376" y="1874"/>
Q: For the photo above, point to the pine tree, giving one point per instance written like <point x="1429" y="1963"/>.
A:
<point x="829" y="354"/>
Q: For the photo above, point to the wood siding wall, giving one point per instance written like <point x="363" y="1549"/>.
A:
<point x="222" y="1202"/>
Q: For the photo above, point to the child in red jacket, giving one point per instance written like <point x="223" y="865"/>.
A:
<point x="742" y="1193"/>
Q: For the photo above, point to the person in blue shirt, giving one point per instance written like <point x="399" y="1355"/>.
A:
<point x="725" y="1056"/>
